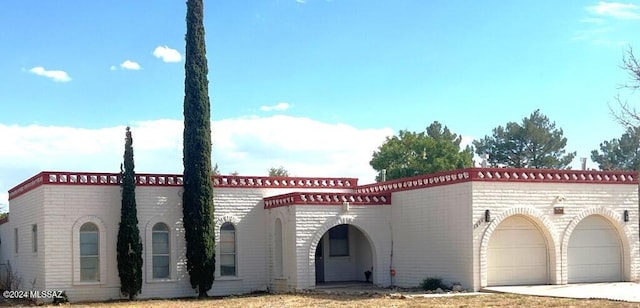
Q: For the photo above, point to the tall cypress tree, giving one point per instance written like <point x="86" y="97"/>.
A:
<point x="197" y="199"/>
<point x="129" y="243"/>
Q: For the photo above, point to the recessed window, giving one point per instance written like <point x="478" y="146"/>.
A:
<point x="278" y="248"/>
<point x="89" y="252"/>
<point x="34" y="237"/>
<point x="15" y="240"/>
<point x="160" y="250"/>
<point x="227" y="249"/>
<point x="339" y="241"/>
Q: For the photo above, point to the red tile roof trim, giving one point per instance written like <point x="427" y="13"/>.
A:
<point x="143" y="179"/>
<point x="426" y="180"/>
<point x="313" y="198"/>
<point x="283" y="182"/>
<point x="502" y="175"/>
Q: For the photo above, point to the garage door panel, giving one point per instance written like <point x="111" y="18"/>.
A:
<point x="518" y="238"/>
<point x="525" y="256"/>
<point x="589" y="236"/>
<point x="517" y="254"/>
<point x="602" y="255"/>
<point x="594" y="253"/>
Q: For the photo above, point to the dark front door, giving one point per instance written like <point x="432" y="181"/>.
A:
<point x="320" y="262"/>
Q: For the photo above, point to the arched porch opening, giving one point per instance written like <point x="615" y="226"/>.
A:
<point x="343" y="254"/>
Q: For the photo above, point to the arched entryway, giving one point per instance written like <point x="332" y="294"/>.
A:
<point x="343" y="253"/>
<point x="517" y="254"/>
<point x="594" y="252"/>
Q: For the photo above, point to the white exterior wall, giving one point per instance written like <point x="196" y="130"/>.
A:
<point x="313" y="221"/>
<point x="60" y="211"/>
<point x="6" y="244"/>
<point x="244" y="208"/>
<point x="30" y="266"/>
<point x="432" y="235"/>
<point x="435" y="231"/>
<point x="162" y="205"/>
<point x="68" y="207"/>
<point x="536" y="201"/>
<point x="282" y="282"/>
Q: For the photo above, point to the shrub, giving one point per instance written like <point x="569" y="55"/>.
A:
<point x="63" y="299"/>
<point x="10" y="280"/>
<point x="432" y="283"/>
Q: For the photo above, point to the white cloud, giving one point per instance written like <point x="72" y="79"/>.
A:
<point x="58" y="76"/>
<point x="301" y="1"/>
<point x="250" y="145"/>
<point x="113" y="68"/>
<point x="277" y="107"/>
<point x="167" y="54"/>
<point x="130" y="65"/>
<point x="616" y="10"/>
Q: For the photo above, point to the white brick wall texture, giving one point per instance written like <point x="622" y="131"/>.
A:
<point x="536" y="201"/>
<point x="432" y="234"/>
<point x="427" y="232"/>
<point x="313" y="221"/>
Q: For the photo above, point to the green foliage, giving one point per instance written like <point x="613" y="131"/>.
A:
<point x="432" y="283"/>
<point x="281" y="171"/>
<point x="129" y="246"/>
<point x="411" y="153"/>
<point x="61" y="300"/>
<point x="619" y="154"/>
<point x="197" y="198"/>
<point x="534" y="143"/>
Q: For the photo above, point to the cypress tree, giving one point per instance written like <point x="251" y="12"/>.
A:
<point x="197" y="198"/>
<point x="129" y="243"/>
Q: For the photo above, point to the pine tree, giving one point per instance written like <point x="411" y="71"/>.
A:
<point x="533" y="143"/>
<point x="129" y="243"/>
<point x="197" y="199"/>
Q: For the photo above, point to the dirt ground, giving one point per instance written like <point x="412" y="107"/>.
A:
<point x="375" y="300"/>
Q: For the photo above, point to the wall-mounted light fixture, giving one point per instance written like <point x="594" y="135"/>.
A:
<point x="625" y="215"/>
<point x="487" y="216"/>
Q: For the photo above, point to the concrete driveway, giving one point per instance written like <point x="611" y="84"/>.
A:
<point x="620" y="291"/>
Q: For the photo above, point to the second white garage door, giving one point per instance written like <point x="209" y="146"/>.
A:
<point x="517" y="254"/>
<point x="594" y="252"/>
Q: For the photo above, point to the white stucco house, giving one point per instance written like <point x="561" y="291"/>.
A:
<point x="478" y="227"/>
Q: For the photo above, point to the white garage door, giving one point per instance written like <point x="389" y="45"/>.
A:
<point x="517" y="254"/>
<point x="594" y="252"/>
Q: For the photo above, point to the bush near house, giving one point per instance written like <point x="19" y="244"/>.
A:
<point x="432" y="283"/>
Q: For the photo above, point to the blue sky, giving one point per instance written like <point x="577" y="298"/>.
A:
<point x="314" y="86"/>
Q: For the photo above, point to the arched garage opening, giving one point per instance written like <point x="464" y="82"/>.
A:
<point x="517" y="254"/>
<point x="343" y="254"/>
<point x="594" y="252"/>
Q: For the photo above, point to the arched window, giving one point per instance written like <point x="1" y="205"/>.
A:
<point x="227" y="249"/>
<point x="160" y="250"/>
<point x="89" y="252"/>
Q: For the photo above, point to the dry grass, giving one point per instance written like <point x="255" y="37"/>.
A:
<point x="326" y="300"/>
